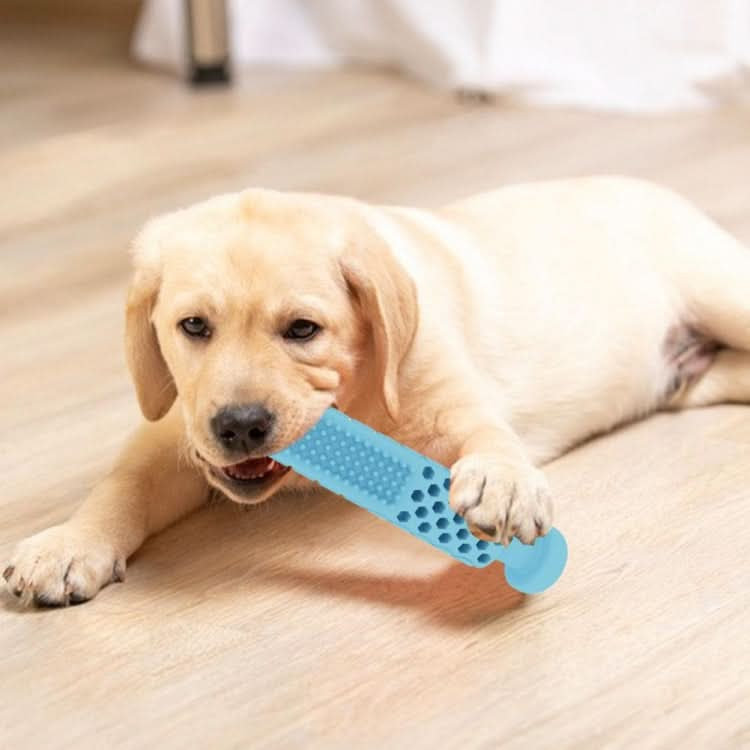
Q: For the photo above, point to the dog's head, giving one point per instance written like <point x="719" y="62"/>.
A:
<point x="261" y="310"/>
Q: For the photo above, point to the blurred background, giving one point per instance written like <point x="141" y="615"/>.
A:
<point x="633" y="56"/>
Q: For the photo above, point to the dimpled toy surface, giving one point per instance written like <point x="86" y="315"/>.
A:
<point x="411" y="491"/>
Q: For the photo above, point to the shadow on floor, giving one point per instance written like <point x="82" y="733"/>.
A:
<point x="457" y="597"/>
<point x="286" y="544"/>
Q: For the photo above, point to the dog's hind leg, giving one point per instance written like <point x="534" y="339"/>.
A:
<point x="714" y="286"/>
<point x="727" y="380"/>
<point x="711" y="274"/>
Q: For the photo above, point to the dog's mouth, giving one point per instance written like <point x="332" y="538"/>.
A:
<point x="247" y="481"/>
<point x="250" y="481"/>
<point x="254" y="470"/>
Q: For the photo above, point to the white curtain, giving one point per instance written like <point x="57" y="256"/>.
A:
<point x="631" y="55"/>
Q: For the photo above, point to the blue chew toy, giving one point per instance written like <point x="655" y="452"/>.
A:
<point x="411" y="491"/>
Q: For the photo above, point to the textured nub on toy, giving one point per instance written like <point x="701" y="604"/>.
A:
<point x="330" y="450"/>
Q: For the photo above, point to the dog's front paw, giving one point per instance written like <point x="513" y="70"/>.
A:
<point x="500" y="500"/>
<point x="60" y="566"/>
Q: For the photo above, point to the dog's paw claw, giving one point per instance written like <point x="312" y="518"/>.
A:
<point x="118" y="572"/>
<point x="484" y="531"/>
<point x="44" y="601"/>
<point x="499" y="500"/>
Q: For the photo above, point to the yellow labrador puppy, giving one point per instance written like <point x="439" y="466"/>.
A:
<point x="492" y="335"/>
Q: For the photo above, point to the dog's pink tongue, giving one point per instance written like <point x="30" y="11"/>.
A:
<point x="252" y="467"/>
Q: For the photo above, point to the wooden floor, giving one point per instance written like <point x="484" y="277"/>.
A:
<point x="230" y="630"/>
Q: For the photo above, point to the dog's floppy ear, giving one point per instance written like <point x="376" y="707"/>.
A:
<point x="388" y="300"/>
<point x="153" y="382"/>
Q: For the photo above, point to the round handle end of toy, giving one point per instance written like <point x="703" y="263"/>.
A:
<point x="542" y="569"/>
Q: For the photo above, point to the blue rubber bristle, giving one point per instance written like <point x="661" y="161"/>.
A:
<point x="411" y="491"/>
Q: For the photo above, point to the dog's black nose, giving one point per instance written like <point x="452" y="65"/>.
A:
<point x="242" y="426"/>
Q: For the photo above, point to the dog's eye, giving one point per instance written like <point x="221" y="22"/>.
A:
<point x="301" y="330"/>
<point x="195" y="327"/>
